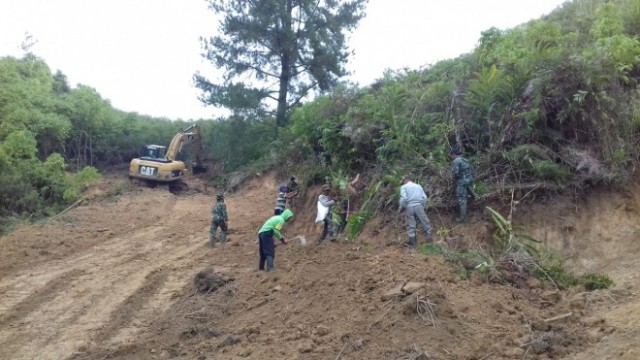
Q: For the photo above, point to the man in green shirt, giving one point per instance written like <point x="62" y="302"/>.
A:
<point x="271" y="229"/>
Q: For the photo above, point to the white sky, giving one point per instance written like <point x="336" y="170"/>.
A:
<point x="142" y="54"/>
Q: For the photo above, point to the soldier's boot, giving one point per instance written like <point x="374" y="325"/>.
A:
<point x="212" y="240"/>
<point x="269" y="263"/>
<point x="413" y="242"/>
<point x="463" y="214"/>
<point x="261" y="264"/>
<point x="223" y="237"/>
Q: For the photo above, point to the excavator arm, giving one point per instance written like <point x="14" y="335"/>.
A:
<point x="184" y="137"/>
<point x="191" y="137"/>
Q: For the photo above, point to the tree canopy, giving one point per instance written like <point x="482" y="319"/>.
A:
<point x="278" y="50"/>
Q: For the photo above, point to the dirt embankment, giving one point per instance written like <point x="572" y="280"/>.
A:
<point x="130" y="277"/>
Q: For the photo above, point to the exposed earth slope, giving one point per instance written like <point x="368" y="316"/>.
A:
<point x="128" y="276"/>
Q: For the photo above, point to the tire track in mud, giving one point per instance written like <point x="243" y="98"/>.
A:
<point x="100" y="294"/>
<point x="124" y="314"/>
<point x="39" y="297"/>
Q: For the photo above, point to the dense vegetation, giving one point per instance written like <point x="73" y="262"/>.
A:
<point x="549" y="104"/>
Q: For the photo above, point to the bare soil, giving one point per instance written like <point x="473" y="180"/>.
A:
<point x="128" y="275"/>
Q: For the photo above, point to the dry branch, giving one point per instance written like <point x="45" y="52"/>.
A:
<point x="559" y="317"/>
<point x="425" y="306"/>
<point x="75" y="204"/>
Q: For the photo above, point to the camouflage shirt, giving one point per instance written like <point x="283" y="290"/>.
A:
<point x="462" y="170"/>
<point x="219" y="212"/>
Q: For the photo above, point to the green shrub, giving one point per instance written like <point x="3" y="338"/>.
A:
<point x="595" y="281"/>
<point x="85" y="177"/>
<point x="549" y="170"/>
<point x="430" y="249"/>
<point x="356" y="223"/>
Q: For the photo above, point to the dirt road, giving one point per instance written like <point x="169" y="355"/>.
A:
<point x="114" y="279"/>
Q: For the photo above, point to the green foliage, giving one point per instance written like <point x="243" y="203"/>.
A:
<point x="237" y="141"/>
<point x="299" y="46"/>
<point x="430" y="249"/>
<point x="356" y="222"/>
<point x="556" y="272"/>
<point x="508" y="238"/>
<point x="548" y="170"/>
<point x="596" y="281"/>
<point x="535" y="161"/>
<point x="79" y="182"/>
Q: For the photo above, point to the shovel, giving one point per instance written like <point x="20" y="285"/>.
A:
<point x="301" y="238"/>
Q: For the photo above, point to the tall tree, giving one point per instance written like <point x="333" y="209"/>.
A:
<point x="290" y="47"/>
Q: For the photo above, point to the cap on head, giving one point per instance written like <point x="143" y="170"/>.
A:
<point x="283" y="188"/>
<point x="219" y="196"/>
<point x="326" y="187"/>
<point x="293" y="178"/>
<point x="455" y="151"/>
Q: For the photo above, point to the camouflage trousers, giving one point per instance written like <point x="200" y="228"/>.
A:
<point x="462" y="193"/>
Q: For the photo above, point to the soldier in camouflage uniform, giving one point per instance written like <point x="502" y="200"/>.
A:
<point x="219" y="219"/>
<point x="463" y="175"/>
<point x="281" y="201"/>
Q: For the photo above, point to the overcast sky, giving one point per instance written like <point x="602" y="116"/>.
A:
<point x="141" y="54"/>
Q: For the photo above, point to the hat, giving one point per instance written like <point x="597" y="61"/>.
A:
<point x="283" y="188"/>
<point x="219" y="196"/>
<point x="455" y="151"/>
<point x="326" y="187"/>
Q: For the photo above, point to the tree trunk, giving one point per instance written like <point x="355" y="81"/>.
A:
<point x="288" y="45"/>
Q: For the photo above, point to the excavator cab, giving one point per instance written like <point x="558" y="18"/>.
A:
<point x="153" y="152"/>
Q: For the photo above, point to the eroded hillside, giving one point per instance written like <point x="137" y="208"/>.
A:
<point x="129" y="277"/>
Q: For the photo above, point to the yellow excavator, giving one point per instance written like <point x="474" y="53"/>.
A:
<point x="159" y="164"/>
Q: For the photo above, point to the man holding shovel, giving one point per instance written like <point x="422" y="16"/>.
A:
<point x="271" y="229"/>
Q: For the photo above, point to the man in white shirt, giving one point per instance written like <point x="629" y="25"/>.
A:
<point x="328" y="228"/>
<point x="412" y="201"/>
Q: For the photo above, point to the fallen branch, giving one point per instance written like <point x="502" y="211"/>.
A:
<point x="340" y="353"/>
<point x="75" y="204"/>
<point x="380" y="318"/>
<point x="425" y="306"/>
<point x="486" y="356"/>
<point x="559" y="317"/>
<point x="547" y="186"/>
<point x="286" y="313"/>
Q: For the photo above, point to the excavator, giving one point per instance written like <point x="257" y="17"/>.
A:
<point x="160" y="165"/>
